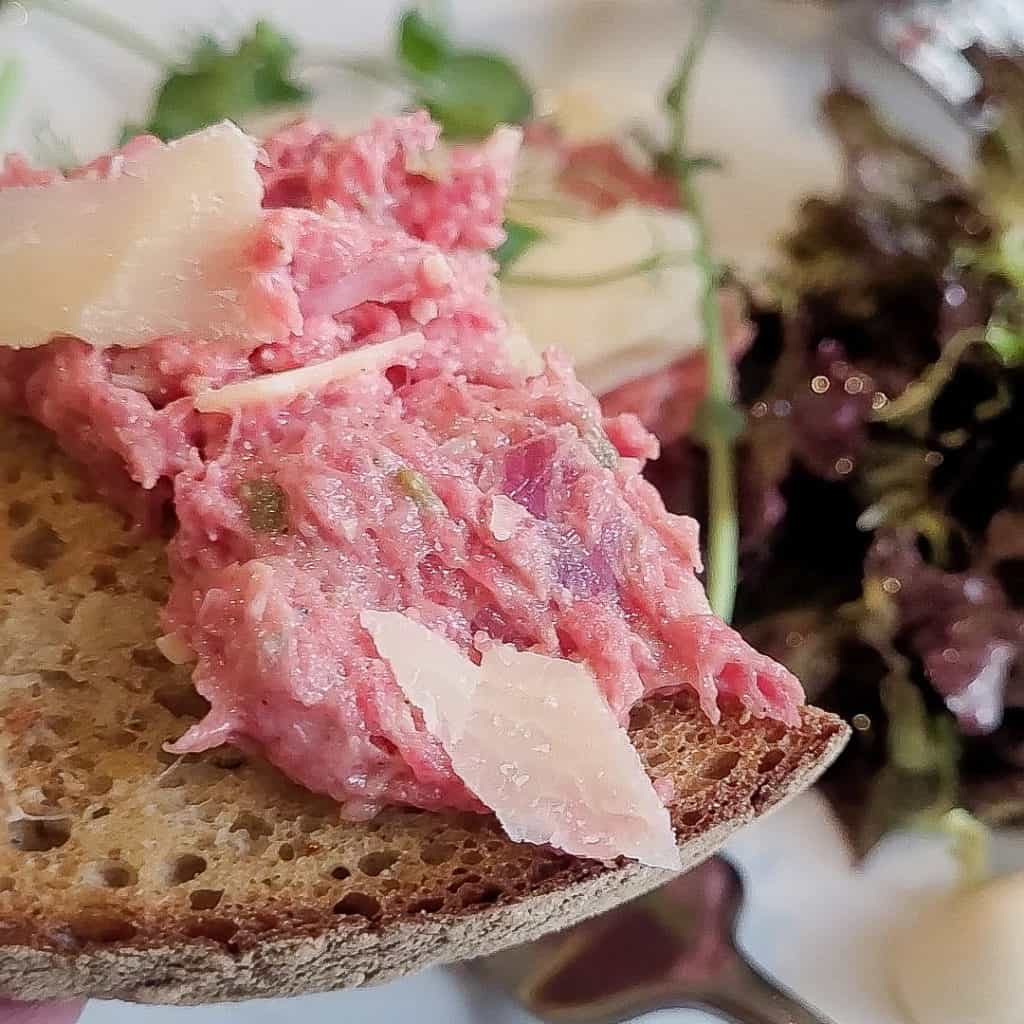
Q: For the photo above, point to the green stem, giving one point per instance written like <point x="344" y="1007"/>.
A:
<point x="723" y="519"/>
<point x="628" y="270"/>
<point x="972" y="846"/>
<point x="10" y="79"/>
<point x="919" y="394"/>
<point x="106" y="27"/>
<point x="680" y="88"/>
<point x="723" y="528"/>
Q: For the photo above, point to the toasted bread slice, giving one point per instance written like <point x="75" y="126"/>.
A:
<point x="126" y="872"/>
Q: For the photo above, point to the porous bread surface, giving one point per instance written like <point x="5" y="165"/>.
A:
<point x="128" y="872"/>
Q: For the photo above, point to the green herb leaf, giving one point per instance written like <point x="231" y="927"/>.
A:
<point x="1007" y="343"/>
<point x="266" y="505"/>
<point x="422" y="44"/>
<point x="518" y="238"/>
<point x="470" y="93"/>
<point x="415" y="486"/>
<point x="218" y="83"/>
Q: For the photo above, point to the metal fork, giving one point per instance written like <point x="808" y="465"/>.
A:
<point x="672" y="949"/>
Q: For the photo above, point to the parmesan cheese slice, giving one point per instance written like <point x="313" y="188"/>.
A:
<point x="175" y="648"/>
<point x="533" y="738"/>
<point x="623" y="329"/>
<point x="288" y="385"/>
<point x="431" y="671"/>
<point x="506" y="517"/>
<point x="159" y="248"/>
<point x="521" y="351"/>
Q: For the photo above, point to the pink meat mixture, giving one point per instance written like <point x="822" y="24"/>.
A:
<point x="356" y="264"/>
<point x="384" y="497"/>
<point x="448" y="487"/>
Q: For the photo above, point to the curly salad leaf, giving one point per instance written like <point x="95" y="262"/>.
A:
<point x="895" y="406"/>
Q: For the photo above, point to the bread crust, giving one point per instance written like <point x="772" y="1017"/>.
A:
<point x="129" y="874"/>
<point x="187" y="970"/>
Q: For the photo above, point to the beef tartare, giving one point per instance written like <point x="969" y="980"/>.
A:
<point x="367" y="485"/>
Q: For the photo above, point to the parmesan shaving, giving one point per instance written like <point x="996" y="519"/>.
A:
<point x="506" y="515"/>
<point x="623" y="329"/>
<point x="434" y="163"/>
<point x="161" y="247"/>
<point x="431" y="671"/>
<point x="286" y="386"/>
<point x="174" y="648"/>
<point x="533" y="738"/>
<point x="521" y="351"/>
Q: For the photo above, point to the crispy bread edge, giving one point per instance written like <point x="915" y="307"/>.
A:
<point x="192" y="971"/>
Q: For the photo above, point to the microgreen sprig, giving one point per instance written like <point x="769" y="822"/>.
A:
<point x="209" y="83"/>
<point x="10" y="78"/>
<point x="719" y="421"/>
<point x="468" y="92"/>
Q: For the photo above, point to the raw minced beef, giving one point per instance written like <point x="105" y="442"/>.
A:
<point x="387" y="497"/>
<point x="383" y="173"/>
<point x="337" y="277"/>
<point x="446" y="485"/>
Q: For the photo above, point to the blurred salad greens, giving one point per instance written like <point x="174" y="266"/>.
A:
<point x="215" y="82"/>
<point x="884" y="540"/>
<point x="469" y="92"/>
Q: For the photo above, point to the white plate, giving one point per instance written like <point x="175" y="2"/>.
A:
<point x="819" y="925"/>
